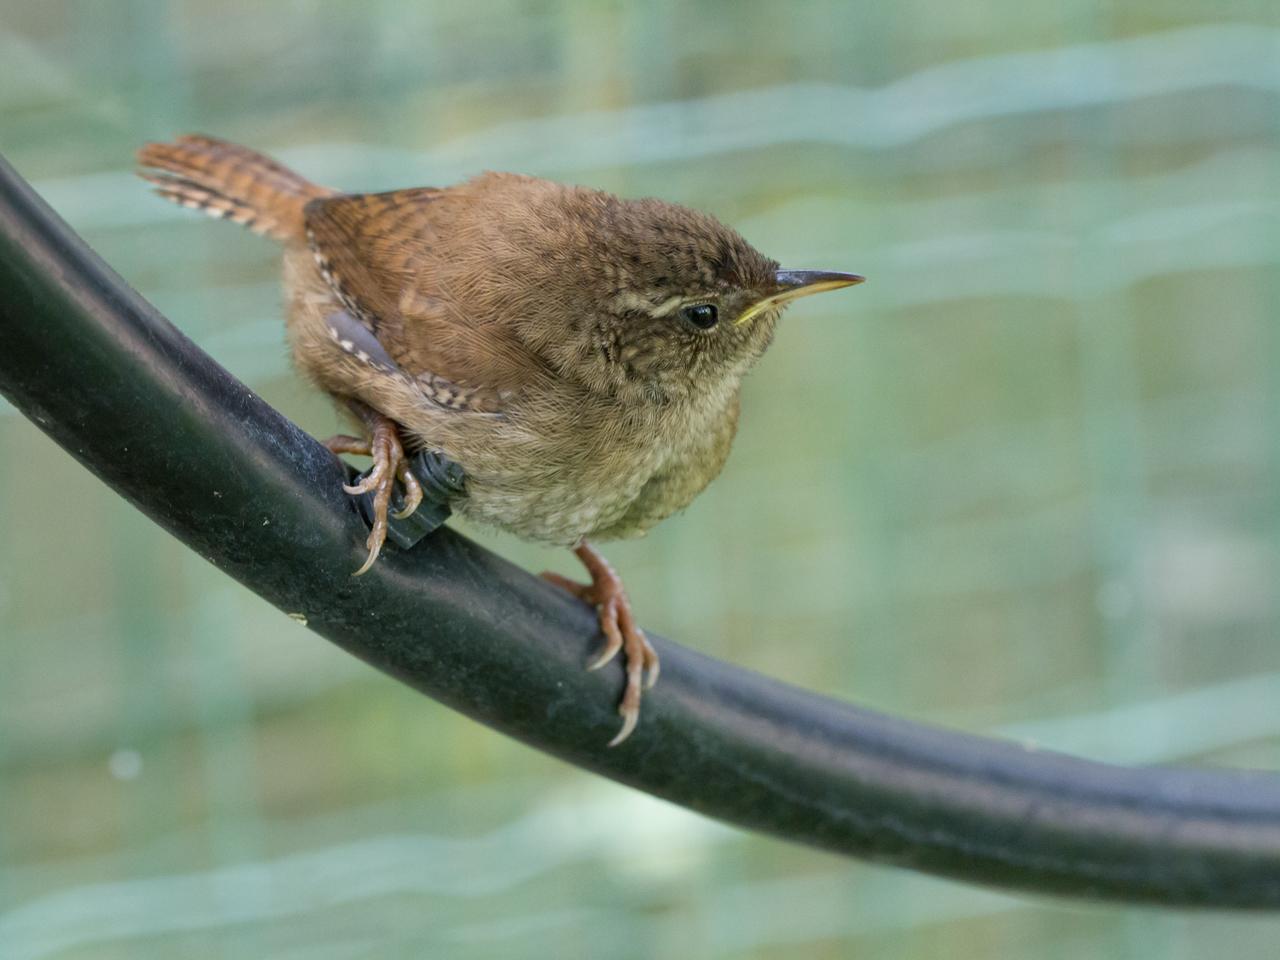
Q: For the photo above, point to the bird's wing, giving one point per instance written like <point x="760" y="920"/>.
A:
<point x="367" y="245"/>
<point x="387" y="257"/>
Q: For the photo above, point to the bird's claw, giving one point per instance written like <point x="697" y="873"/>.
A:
<point x="412" y="491"/>
<point x="389" y="464"/>
<point x="621" y="632"/>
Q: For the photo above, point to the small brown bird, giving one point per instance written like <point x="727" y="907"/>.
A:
<point x="579" y="355"/>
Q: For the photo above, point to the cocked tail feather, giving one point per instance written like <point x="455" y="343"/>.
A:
<point x="230" y="182"/>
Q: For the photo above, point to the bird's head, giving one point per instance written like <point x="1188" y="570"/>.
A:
<point x="647" y="299"/>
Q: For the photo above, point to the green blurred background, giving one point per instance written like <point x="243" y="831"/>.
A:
<point x="1022" y="482"/>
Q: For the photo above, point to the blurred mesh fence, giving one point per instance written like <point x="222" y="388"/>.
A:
<point x="1023" y="481"/>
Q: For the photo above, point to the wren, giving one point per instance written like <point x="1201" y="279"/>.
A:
<point x="579" y="355"/>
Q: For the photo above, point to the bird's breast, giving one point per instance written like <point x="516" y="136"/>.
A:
<point x="603" y="474"/>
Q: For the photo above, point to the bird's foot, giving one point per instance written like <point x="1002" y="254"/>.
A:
<point x="389" y="464"/>
<point x="606" y="593"/>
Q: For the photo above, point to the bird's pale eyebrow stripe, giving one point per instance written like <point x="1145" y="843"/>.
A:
<point x="629" y="300"/>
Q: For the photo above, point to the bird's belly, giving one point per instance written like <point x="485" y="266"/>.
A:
<point x="608" y="490"/>
<point x="563" y="510"/>
<point x="598" y="475"/>
<point x="552" y="516"/>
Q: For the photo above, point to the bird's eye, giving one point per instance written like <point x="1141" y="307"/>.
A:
<point x="704" y="316"/>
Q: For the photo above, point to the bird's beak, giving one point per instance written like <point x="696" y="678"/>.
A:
<point x="792" y="284"/>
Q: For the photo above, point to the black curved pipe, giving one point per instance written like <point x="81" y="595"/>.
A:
<point x="100" y="371"/>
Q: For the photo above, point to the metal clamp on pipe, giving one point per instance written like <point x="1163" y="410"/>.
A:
<point x="443" y="482"/>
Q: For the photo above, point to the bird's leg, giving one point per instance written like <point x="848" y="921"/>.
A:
<point x="606" y="593"/>
<point x="389" y="464"/>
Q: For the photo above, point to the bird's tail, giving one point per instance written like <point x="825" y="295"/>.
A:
<point x="230" y="182"/>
